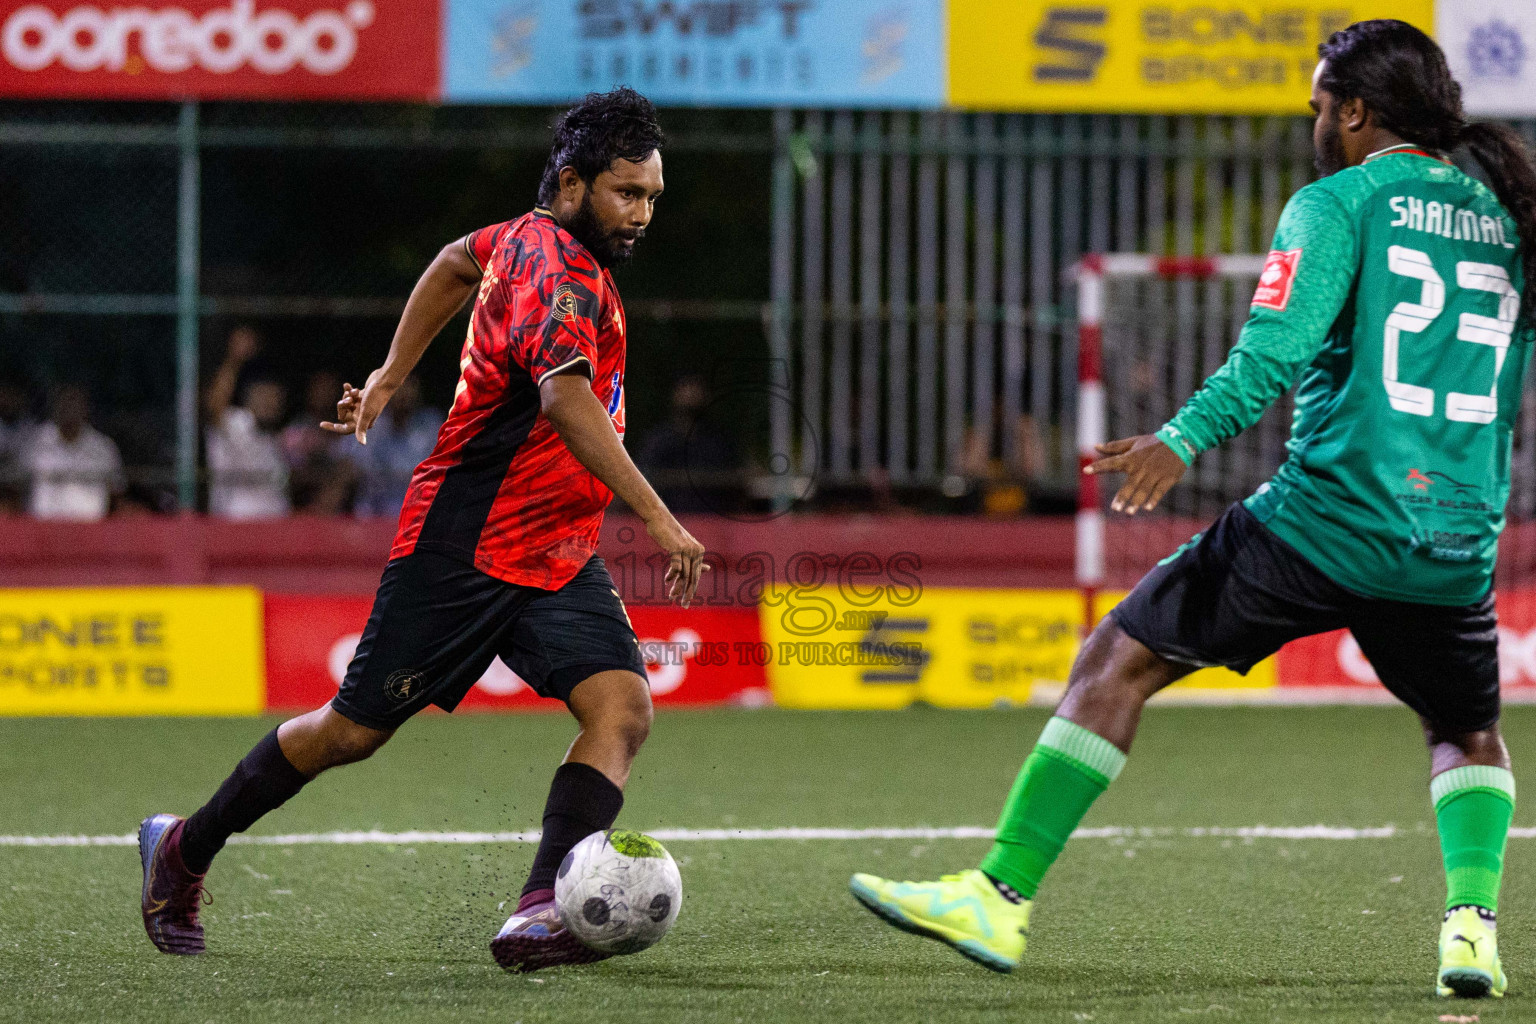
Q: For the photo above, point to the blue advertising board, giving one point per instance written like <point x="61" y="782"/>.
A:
<point x="807" y="53"/>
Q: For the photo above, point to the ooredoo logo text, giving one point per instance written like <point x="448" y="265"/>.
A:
<point x="171" y="40"/>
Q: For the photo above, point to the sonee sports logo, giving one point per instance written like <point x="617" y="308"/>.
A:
<point x="1070" y="49"/>
<point x="171" y="40"/>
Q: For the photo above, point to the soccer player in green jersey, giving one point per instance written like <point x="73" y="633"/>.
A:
<point x="1392" y="300"/>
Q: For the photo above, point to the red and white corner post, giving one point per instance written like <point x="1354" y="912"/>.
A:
<point x="1090" y="432"/>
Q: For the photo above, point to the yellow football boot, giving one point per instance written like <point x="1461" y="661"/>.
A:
<point x="1469" y="957"/>
<point x="963" y="911"/>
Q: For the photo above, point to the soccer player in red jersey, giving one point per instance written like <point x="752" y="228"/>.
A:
<point x="495" y="551"/>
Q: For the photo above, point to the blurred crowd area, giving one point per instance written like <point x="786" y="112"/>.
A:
<point x="315" y="220"/>
<point x="263" y="453"/>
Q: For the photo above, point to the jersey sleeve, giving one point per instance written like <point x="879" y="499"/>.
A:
<point x="563" y="337"/>
<point x="482" y="243"/>
<point x="1305" y="283"/>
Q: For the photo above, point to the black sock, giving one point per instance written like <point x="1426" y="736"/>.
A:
<point x="262" y="781"/>
<point x="581" y="801"/>
<point x="1005" y="890"/>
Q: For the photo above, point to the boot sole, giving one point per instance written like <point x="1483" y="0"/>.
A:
<point x="1467" y="983"/>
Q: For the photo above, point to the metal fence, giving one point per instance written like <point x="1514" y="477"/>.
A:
<point x="918" y="293"/>
<point x="918" y="317"/>
<point x="118" y="223"/>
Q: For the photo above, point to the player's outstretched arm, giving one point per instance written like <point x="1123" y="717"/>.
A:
<point x="583" y="424"/>
<point x="1305" y="284"/>
<point x="1306" y="281"/>
<point x="441" y="292"/>
<point x="1150" y="469"/>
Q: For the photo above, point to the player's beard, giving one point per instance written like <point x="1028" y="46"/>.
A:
<point x="604" y="246"/>
<point x="1329" y="158"/>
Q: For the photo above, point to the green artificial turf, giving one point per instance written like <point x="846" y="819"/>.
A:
<point x="1164" y="928"/>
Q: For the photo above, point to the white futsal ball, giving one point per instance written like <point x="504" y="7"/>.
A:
<point x="618" y="891"/>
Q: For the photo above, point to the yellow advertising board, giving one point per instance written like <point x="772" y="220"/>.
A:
<point x="948" y="647"/>
<point x="132" y="651"/>
<point x="1149" y="56"/>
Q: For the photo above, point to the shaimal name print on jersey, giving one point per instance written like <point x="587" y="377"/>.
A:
<point x="1448" y="221"/>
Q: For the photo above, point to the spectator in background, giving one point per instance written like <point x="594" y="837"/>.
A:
<point x="247" y="476"/>
<point x="16" y="427"/>
<point x="1002" y="487"/>
<point x="75" y="470"/>
<point x="690" y="463"/>
<point x="397" y="442"/>
<point x="322" y="478"/>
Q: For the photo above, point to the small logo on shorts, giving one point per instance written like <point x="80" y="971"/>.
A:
<point x="404" y="684"/>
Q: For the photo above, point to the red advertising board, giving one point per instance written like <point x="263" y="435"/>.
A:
<point x="221" y="49"/>
<point x="695" y="656"/>
<point x="1335" y="659"/>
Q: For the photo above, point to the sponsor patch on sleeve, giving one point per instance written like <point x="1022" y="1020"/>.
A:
<point x="1274" y="290"/>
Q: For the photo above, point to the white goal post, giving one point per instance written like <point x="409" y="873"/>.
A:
<point x="1092" y="274"/>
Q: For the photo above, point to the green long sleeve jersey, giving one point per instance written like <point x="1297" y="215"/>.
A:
<point x="1393" y="291"/>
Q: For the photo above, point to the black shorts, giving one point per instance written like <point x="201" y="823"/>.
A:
<point x="1236" y="593"/>
<point x="437" y="623"/>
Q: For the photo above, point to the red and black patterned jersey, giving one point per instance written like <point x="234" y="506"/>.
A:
<point x="501" y="490"/>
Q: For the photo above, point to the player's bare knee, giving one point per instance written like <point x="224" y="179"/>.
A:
<point x="632" y="722"/>
<point x="347" y="742"/>
<point x="1115" y="669"/>
<point x="360" y="747"/>
<point x="615" y="704"/>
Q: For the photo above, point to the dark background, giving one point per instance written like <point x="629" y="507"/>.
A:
<point x="347" y="201"/>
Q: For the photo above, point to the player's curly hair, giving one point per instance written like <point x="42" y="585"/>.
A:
<point x="602" y="128"/>
<point x="1403" y="77"/>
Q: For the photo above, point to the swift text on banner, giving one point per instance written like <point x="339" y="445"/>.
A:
<point x="819" y="53"/>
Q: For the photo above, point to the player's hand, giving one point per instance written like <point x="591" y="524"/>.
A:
<point x="359" y="408"/>
<point x="1150" y="468"/>
<point x="685" y="558"/>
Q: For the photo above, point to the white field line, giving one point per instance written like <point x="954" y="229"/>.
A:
<point x="1048" y="695"/>
<point x="687" y="835"/>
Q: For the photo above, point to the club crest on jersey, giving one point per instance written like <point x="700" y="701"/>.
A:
<point x="563" y="306"/>
<point x="1274" y="290"/>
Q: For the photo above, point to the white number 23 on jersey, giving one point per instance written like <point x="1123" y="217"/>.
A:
<point x="1415" y="317"/>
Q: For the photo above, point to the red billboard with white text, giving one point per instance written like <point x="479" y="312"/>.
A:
<point x="1335" y="660"/>
<point x="694" y="656"/>
<point x="221" y="49"/>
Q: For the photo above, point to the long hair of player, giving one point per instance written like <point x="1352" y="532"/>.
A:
<point x="1402" y="76"/>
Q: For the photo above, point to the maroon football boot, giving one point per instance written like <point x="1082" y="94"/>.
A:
<point x="171" y="894"/>
<point x="535" y="938"/>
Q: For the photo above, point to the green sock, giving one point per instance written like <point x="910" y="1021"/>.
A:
<point x="1063" y="776"/>
<point x="1473" y="806"/>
